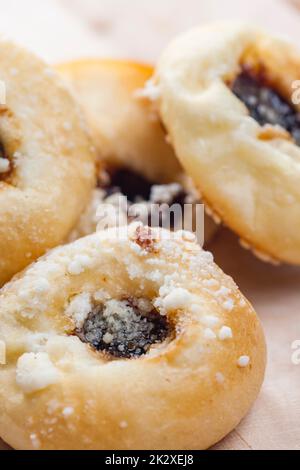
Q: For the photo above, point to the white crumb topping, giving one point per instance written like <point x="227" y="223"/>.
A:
<point x="186" y="235"/>
<point x="178" y="298"/>
<point x="4" y="165"/>
<point x="223" y="292"/>
<point x="79" y="264"/>
<point x="36" y="342"/>
<point x="228" y="305"/>
<point x="144" y="305"/>
<point x="210" y="320"/>
<point x="2" y="353"/>
<point x="243" y="302"/>
<point x="35" y="372"/>
<point x="50" y="268"/>
<point x="209" y="334"/>
<point x="35" y="441"/>
<point x="138" y="250"/>
<point x="150" y="91"/>
<point x="220" y="378"/>
<point x="164" y="194"/>
<point x="225" y="333"/>
<point x="243" y="361"/>
<point x="123" y="424"/>
<point x="68" y="411"/>
<point x="28" y="314"/>
<point x="108" y="338"/>
<point x="79" y="308"/>
<point x="134" y="272"/>
<point x="155" y="276"/>
<point x="210" y="282"/>
<point x="101" y="295"/>
<point x="41" y="286"/>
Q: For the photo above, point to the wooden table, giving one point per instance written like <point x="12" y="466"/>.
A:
<point x="64" y="29"/>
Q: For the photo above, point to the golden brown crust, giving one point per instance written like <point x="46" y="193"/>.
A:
<point x="126" y="130"/>
<point x="186" y="393"/>
<point x="247" y="173"/>
<point x="125" y="127"/>
<point x="51" y="172"/>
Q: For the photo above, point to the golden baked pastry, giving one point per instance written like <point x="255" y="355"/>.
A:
<point x="129" y="138"/>
<point x="47" y="167"/>
<point x="130" y="338"/>
<point x="225" y="97"/>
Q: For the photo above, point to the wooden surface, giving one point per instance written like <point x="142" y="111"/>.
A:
<point x="64" y="29"/>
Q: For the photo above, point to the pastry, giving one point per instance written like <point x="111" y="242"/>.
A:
<point x="47" y="167"/>
<point x="225" y="95"/>
<point x="127" y="339"/>
<point x="130" y="140"/>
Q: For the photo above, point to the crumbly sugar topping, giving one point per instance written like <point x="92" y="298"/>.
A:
<point x="101" y="296"/>
<point x="228" y="305"/>
<point x="123" y="425"/>
<point x="225" y="333"/>
<point x="68" y="411"/>
<point x="210" y="320"/>
<point x="36" y="342"/>
<point x="243" y="361"/>
<point x="79" y="308"/>
<point x="124" y="195"/>
<point x="41" y="286"/>
<point x="177" y="299"/>
<point x="79" y="264"/>
<point x="4" y="165"/>
<point x="209" y="334"/>
<point x="165" y="193"/>
<point x="35" y="372"/>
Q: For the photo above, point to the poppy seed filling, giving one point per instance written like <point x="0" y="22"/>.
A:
<point x="124" y="328"/>
<point x="155" y="198"/>
<point x="139" y="189"/>
<point x="265" y="104"/>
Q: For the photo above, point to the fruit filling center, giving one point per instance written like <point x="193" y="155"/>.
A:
<point x="124" y="328"/>
<point x="265" y="104"/>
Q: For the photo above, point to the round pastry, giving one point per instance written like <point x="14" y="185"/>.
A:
<point x="225" y="97"/>
<point x="130" y="338"/>
<point x="47" y="167"/>
<point x="129" y="137"/>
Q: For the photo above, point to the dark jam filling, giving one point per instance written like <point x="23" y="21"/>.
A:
<point x="2" y="151"/>
<point x="265" y="104"/>
<point x="132" y="185"/>
<point x="135" y="187"/>
<point x="138" y="189"/>
<point x="124" y="331"/>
